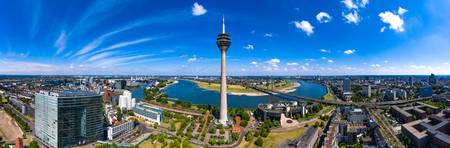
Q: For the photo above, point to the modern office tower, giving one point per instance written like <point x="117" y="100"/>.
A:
<point x="411" y="81"/>
<point x="366" y="90"/>
<point x="125" y="100"/>
<point x="223" y="42"/>
<point x="391" y="95"/>
<point x="432" y="79"/>
<point x="148" y="112"/>
<point x="426" y="91"/>
<point x="68" y="118"/>
<point x="347" y="85"/>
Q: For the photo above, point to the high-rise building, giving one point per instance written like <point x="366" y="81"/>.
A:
<point x="366" y="91"/>
<point x="346" y="85"/>
<point x="432" y="79"/>
<point x="411" y="81"/>
<point x="68" y="118"/>
<point x="125" y="100"/>
<point x="223" y="42"/>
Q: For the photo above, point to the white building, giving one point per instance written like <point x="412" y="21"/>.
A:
<point x="125" y="100"/>
<point x="121" y="129"/>
<point x="149" y="113"/>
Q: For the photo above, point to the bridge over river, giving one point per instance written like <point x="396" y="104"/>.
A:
<point x="289" y="96"/>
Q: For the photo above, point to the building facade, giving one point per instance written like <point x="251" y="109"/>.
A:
<point x="149" y="113"/>
<point x="121" y="129"/>
<point x="68" y="118"/>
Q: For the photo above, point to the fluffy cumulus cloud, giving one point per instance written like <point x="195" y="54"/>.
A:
<point x="394" y="19"/>
<point x="292" y="64"/>
<point x="304" y="26"/>
<point x="198" y="10"/>
<point x="349" y="4"/>
<point x="363" y="3"/>
<point x="254" y="63"/>
<point x="273" y="62"/>
<point x="401" y="11"/>
<point x="323" y="17"/>
<point x="330" y="61"/>
<point x="269" y="35"/>
<point x="249" y="47"/>
<point x="351" y="17"/>
<point x="325" y="51"/>
<point x="375" y="65"/>
<point x="350" y="51"/>
<point x="192" y="59"/>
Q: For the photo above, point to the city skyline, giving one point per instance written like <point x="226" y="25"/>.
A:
<point x="349" y="37"/>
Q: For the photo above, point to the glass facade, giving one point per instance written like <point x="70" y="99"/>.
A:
<point x="69" y="118"/>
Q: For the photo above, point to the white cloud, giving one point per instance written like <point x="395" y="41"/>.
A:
<point x="249" y="47"/>
<point x="304" y="26"/>
<point x="350" y="51"/>
<point x="445" y="63"/>
<point x="100" y="56"/>
<point x="323" y="17"/>
<point x="382" y="29"/>
<point x="273" y="62"/>
<point x="168" y="51"/>
<point x="193" y="59"/>
<point x="401" y="11"/>
<point x="254" y="63"/>
<point x="252" y="32"/>
<point x="292" y="64"/>
<point x="349" y="4"/>
<point x="330" y="61"/>
<point x="325" y="51"/>
<point x="198" y="10"/>
<point x="306" y="64"/>
<point x="268" y="35"/>
<point x="71" y="66"/>
<point x="125" y="44"/>
<point x="351" y="17"/>
<point x="324" y="58"/>
<point x="363" y="3"/>
<point x="395" y="21"/>
<point x="375" y="65"/>
<point x="386" y="61"/>
<point x="417" y="66"/>
<point x="60" y="43"/>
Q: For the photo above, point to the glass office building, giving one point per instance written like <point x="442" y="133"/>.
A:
<point x="68" y="118"/>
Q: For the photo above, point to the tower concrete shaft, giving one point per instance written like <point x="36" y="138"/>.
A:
<point x="223" y="90"/>
<point x="223" y="42"/>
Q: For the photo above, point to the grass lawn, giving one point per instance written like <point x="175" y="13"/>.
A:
<point x="149" y="144"/>
<point x="329" y="95"/>
<point x="274" y="139"/>
<point x="231" y="87"/>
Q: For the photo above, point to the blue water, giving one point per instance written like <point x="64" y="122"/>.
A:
<point x="188" y="91"/>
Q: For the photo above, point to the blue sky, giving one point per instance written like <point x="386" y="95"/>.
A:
<point x="292" y="37"/>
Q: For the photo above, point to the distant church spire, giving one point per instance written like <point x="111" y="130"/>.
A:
<point x="223" y="24"/>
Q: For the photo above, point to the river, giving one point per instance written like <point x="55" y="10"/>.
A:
<point x="188" y="91"/>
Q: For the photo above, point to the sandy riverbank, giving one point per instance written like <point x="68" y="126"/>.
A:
<point x="174" y="82"/>
<point x="291" y="89"/>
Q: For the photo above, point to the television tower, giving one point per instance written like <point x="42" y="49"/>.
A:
<point x="223" y="42"/>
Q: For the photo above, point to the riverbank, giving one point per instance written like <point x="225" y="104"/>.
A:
<point x="169" y="84"/>
<point x="291" y="88"/>
<point x="232" y="89"/>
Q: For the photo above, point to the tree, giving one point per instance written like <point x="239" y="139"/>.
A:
<point x="172" y="125"/>
<point x="155" y="126"/>
<point x="33" y="144"/>
<point x="244" y="123"/>
<point x="248" y="136"/>
<point x="259" y="141"/>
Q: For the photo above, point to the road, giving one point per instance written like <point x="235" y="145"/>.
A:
<point x="386" y="130"/>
